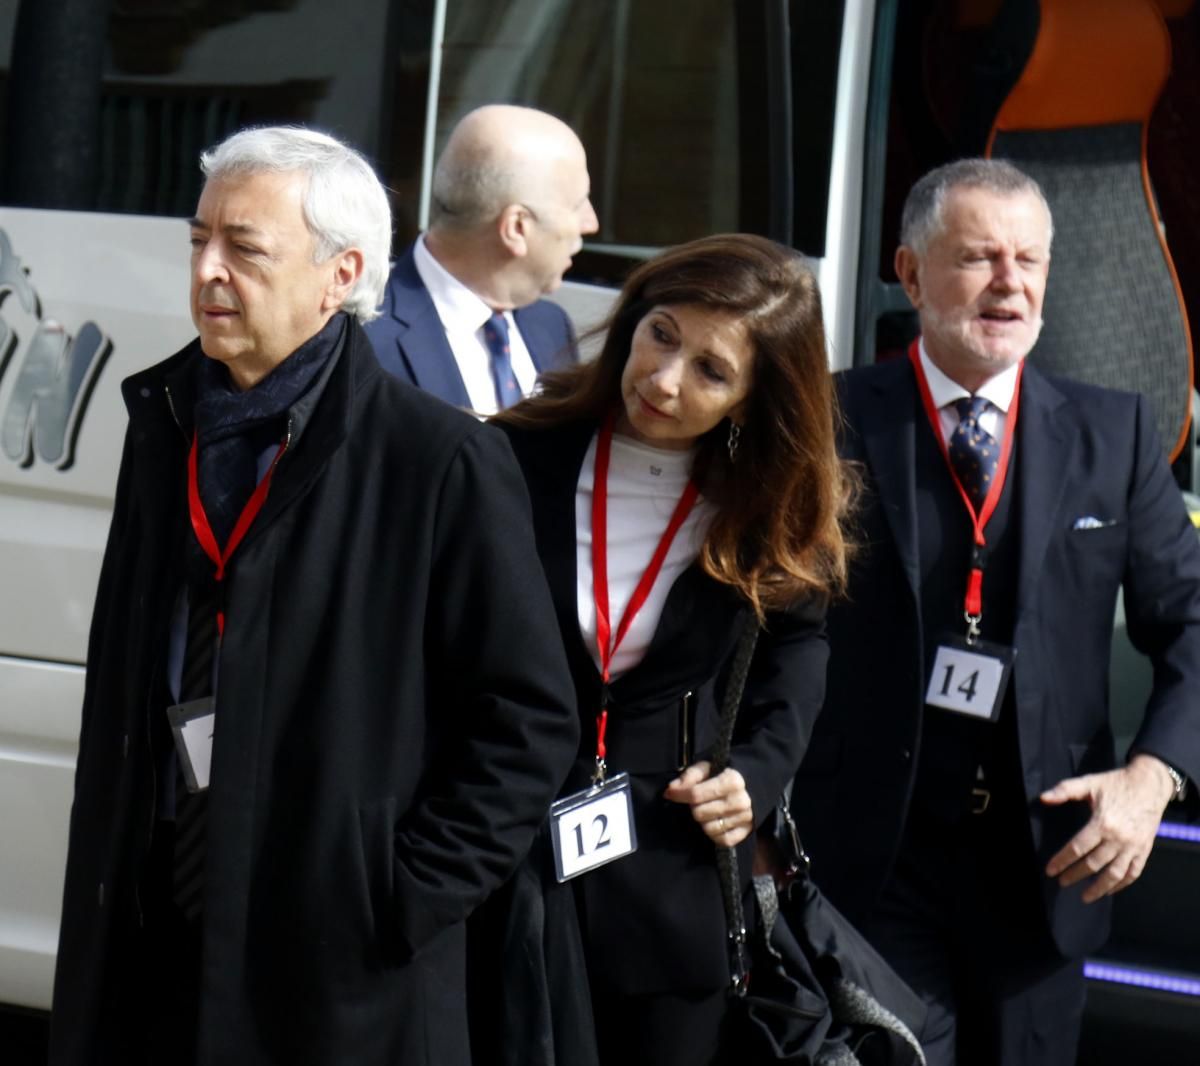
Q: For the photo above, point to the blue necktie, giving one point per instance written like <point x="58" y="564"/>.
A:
<point x="973" y="451"/>
<point x="495" y="332"/>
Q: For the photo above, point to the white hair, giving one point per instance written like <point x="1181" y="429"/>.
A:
<point x="344" y="205"/>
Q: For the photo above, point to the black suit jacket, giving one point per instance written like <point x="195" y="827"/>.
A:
<point x="410" y="341"/>
<point x="394" y="716"/>
<point x="654" y="921"/>
<point x="1083" y="452"/>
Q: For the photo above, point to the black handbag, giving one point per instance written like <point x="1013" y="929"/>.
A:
<point x="806" y="986"/>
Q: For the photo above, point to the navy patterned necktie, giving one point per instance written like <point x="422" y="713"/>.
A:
<point x="495" y="332"/>
<point x="973" y="451"/>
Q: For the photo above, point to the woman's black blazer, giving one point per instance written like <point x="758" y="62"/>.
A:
<point x="654" y="921"/>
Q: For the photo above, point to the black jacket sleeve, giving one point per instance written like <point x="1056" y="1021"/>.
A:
<point x="784" y="693"/>
<point x="495" y="657"/>
<point x="1162" y="603"/>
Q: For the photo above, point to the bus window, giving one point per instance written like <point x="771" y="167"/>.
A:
<point x="718" y="120"/>
<point x="942" y="69"/>
<point x="113" y="117"/>
<point x="687" y="118"/>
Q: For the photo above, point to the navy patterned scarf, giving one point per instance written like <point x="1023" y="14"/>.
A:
<point x="234" y="428"/>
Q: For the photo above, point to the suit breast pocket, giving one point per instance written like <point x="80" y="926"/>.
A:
<point x="1094" y="558"/>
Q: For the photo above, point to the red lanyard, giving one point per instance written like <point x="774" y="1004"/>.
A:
<point x="600" y="571"/>
<point x="973" y="602"/>
<point x="202" y="528"/>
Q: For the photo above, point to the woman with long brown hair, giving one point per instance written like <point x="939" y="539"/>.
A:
<point x="684" y="479"/>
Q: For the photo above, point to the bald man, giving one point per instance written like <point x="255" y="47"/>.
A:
<point x="463" y="315"/>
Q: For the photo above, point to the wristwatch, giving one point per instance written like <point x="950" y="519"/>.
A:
<point x="1181" y="782"/>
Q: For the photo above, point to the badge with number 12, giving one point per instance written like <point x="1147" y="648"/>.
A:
<point x="592" y="827"/>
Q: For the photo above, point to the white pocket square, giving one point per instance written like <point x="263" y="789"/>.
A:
<point x="1088" y="521"/>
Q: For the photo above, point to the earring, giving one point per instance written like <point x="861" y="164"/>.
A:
<point x="735" y="433"/>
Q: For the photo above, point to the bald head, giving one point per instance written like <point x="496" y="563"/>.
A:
<point x="499" y="155"/>
<point x="510" y="203"/>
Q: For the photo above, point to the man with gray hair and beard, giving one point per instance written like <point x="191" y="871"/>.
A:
<point x="326" y="704"/>
<point x="961" y="797"/>
<point x="463" y="316"/>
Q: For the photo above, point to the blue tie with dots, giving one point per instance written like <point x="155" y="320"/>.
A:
<point x="973" y="451"/>
<point x="495" y="332"/>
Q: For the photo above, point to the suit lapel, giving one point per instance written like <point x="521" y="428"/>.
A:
<point x="1046" y="454"/>
<point x="539" y="341"/>
<point x="420" y="336"/>
<point x="424" y="347"/>
<point x="886" y="424"/>
<point x="699" y="613"/>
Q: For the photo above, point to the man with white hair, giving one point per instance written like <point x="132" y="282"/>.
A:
<point x="463" y="316"/>
<point x="326" y="703"/>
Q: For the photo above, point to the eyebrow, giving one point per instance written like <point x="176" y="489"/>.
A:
<point x="236" y="228"/>
<point x="980" y="245"/>
<point x="707" y="351"/>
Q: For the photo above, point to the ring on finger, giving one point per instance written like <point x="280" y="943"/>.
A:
<point x="721" y="824"/>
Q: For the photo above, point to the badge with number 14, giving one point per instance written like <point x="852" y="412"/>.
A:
<point x="970" y="678"/>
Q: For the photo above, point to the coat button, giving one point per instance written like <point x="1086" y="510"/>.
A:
<point x="100" y="895"/>
<point x="905" y="754"/>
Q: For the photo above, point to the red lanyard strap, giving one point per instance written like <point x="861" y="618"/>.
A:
<point x="600" y="569"/>
<point x="203" y="529"/>
<point x="973" y="601"/>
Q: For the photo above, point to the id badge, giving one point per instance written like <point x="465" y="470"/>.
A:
<point x="970" y="679"/>
<point x="192" y="724"/>
<point x="592" y="827"/>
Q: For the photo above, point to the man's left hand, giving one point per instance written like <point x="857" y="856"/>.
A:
<point x="1127" y="806"/>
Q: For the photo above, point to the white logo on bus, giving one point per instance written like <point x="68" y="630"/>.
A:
<point x="57" y="375"/>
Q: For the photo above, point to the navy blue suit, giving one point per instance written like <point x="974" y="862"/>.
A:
<point x="1094" y="510"/>
<point x="410" y="341"/>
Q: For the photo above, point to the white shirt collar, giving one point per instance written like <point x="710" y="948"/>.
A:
<point x="998" y="390"/>
<point x="459" y="308"/>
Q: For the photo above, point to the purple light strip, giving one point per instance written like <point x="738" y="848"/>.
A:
<point x="1128" y="975"/>
<point x="1179" y="831"/>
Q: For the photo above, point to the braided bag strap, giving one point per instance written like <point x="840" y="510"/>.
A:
<point x="727" y="863"/>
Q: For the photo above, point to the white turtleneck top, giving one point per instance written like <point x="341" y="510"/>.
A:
<point x="644" y="485"/>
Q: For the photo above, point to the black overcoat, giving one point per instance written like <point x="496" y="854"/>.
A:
<point x="394" y="715"/>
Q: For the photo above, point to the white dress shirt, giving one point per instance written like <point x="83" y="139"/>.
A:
<point x="998" y="391"/>
<point x="463" y="315"/>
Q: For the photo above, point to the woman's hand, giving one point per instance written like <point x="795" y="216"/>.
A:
<point x="721" y="804"/>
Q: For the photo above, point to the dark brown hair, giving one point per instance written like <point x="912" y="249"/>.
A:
<point x="778" y="532"/>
